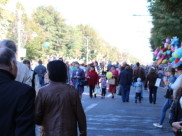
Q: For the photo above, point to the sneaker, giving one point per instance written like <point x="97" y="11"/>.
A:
<point x="158" y="125"/>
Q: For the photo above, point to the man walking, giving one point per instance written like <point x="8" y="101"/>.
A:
<point x="16" y="99"/>
<point x="41" y="71"/>
<point x="139" y="72"/>
<point x="23" y="73"/>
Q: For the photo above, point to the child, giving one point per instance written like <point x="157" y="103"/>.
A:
<point x="138" y="90"/>
<point x="103" y="85"/>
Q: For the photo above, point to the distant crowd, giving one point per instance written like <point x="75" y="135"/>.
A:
<point x="46" y="100"/>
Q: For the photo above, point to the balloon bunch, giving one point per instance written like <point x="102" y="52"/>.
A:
<point x="169" y="53"/>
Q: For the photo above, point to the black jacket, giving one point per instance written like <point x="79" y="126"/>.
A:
<point x="16" y="107"/>
<point x="125" y="77"/>
<point x="151" y="79"/>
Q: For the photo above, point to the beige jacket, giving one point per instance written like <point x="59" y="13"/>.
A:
<point x="23" y="74"/>
<point x="36" y="81"/>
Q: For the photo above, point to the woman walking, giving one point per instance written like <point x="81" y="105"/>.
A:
<point x="168" y="96"/>
<point x="112" y="88"/>
<point x="78" y="77"/>
<point x="58" y="108"/>
<point x="93" y="79"/>
<point x="150" y="83"/>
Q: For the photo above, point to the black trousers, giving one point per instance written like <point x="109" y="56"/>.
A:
<point x="152" y="94"/>
<point x="91" y="88"/>
<point x="138" y="96"/>
<point x="103" y="91"/>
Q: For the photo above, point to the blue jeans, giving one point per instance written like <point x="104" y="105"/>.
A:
<point x="37" y="130"/>
<point x="166" y="106"/>
<point x="125" y="92"/>
<point x="41" y="80"/>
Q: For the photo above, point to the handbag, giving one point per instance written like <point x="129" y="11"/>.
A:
<point x="168" y="94"/>
<point x="112" y="81"/>
<point x="83" y="82"/>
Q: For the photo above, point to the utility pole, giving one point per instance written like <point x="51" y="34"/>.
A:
<point x="87" y="44"/>
<point x="19" y="34"/>
<point x="87" y="50"/>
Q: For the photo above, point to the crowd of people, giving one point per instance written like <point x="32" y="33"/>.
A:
<point x="46" y="100"/>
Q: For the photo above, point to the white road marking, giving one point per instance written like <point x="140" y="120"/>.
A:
<point x="90" y="107"/>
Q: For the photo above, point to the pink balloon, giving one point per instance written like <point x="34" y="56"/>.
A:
<point x="163" y="57"/>
<point x="156" y="52"/>
<point x="160" y="53"/>
<point x="172" y="48"/>
<point x="167" y="40"/>
<point x="165" y="45"/>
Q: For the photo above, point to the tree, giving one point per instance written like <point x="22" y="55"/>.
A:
<point x="47" y="25"/>
<point x="3" y="2"/>
<point x="53" y="24"/>
<point x="35" y="39"/>
<point x="6" y="19"/>
<point x="166" y="20"/>
<point x="95" y="42"/>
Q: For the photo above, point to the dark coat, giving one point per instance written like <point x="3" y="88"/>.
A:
<point x="138" y="73"/>
<point x="16" y="107"/>
<point x="125" y="77"/>
<point x="151" y="79"/>
<point x="59" y="110"/>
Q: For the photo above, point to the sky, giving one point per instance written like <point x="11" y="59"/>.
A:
<point x="114" y="20"/>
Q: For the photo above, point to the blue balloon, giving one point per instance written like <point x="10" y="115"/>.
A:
<point x="46" y="44"/>
<point x="177" y="64"/>
<point x="168" y="52"/>
<point x="179" y="52"/>
<point x="175" y="41"/>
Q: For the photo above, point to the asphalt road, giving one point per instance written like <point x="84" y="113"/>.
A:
<point x="111" y="117"/>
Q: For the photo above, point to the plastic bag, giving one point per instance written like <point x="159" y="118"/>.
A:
<point x="98" y="90"/>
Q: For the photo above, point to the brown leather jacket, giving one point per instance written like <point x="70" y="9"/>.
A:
<point x="59" y="110"/>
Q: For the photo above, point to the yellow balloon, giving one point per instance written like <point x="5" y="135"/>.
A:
<point x="169" y="47"/>
<point x="165" y="61"/>
<point x="109" y="75"/>
<point x="176" y="55"/>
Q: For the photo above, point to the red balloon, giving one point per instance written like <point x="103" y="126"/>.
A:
<point x="164" y="49"/>
<point x="177" y="60"/>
